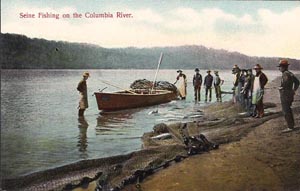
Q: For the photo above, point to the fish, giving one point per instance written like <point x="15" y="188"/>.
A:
<point x="153" y="112"/>
<point x="162" y="136"/>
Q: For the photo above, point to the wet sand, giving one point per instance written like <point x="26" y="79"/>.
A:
<point x="253" y="155"/>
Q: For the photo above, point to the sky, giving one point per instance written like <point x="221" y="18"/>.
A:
<point x="254" y="28"/>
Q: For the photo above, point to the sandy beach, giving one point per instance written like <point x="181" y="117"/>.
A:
<point x="263" y="159"/>
<point x="253" y="155"/>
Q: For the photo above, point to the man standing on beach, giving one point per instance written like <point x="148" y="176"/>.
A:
<point x="217" y="83"/>
<point x="287" y="89"/>
<point x="258" y="91"/>
<point x="197" y="82"/>
<point x="247" y="91"/>
<point x="82" y="88"/>
<point x="182" y="84"/>
<point x="237" y="84"/>
<point x="208" y="81"/>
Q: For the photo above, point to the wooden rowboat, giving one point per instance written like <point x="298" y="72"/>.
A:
<point x="132" y="99"/>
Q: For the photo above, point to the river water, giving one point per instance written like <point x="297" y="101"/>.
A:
<point x="40" y="128"/>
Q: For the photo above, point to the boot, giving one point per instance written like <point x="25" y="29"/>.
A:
<point x="80" y="112"/>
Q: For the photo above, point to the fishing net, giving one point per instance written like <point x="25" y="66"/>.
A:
<point x="159" y="85"/>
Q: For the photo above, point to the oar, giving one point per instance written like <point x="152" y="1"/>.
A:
<point x="117" y="86"/>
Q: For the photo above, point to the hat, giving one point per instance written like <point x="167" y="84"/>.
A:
<point x="208" y="71"/>
<point x="178" y="71"/>
<point x="86" y="74"/>
<point x="283" y="62"/>
<point x="249" y="70"/>
<point x="216" y="72"/>
<point x="235" y="67"/>
<point x="257" y="66"/>
<point x="197" y="70"/>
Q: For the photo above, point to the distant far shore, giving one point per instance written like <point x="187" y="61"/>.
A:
<point x="21" y="52"/>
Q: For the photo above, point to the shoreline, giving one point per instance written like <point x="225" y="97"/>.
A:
<point x="217" y="118"/>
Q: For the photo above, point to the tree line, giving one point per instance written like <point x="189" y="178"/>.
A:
<point x="21" y="52"/>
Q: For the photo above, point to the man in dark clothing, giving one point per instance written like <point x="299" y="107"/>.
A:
<point x="287" y="89"/>
<point x="82" y="88"/>
<point x="260" y="81"/>
<point x="237" y="85"/>
<point x="242" y="80"/>
<point x="247" y="91"/>
<point x="197" y="82"/>
<point x="208" y="81"/>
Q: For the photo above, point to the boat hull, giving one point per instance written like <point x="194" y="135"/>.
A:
<point x="126" y="100"/>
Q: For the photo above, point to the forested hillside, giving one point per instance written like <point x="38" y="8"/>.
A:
<point x="20" y="52"/>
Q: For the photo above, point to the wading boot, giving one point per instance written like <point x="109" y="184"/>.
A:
<point x="80" y="112"/>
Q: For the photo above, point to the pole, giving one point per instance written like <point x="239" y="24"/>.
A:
<point x="116" y="86"/>
<point x="159" y="62"/>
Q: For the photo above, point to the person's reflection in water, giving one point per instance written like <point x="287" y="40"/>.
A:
<point x="82" y="138"/>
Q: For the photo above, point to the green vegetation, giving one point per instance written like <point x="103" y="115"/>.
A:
<point x="20" y="52"/>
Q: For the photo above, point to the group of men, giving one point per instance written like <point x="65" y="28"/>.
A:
<point x="208" y="83"/>
<point x="248" y="89"/>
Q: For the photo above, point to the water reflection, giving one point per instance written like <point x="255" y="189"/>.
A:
<point x="82" y="137"/>
<point x="111" y="122"/>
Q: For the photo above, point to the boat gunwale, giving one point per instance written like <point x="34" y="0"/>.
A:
<point x="160" y="92"/>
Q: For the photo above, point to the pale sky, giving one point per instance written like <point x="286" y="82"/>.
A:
<point x="258" y="28"/>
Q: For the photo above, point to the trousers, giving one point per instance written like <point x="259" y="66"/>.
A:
<point x="197" y="93"/>
<point x="207" y="90"/>
<point x="218" y="93"/>
<point x="287" y="98"/>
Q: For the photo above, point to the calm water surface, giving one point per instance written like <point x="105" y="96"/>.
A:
<point x="40" y="128"/>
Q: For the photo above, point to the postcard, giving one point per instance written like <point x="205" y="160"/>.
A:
<point x="150" y="95"/>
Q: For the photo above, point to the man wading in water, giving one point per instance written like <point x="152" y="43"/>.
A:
<point x="82" y="88"/>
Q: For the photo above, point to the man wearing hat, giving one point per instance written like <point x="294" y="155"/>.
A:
<point x="182" y="84"/>
<point x="217" y="83"/>
<point x="208" y="81"/>
<point x="82" y="88"/>
<point x="287" y="89"/>
<point x="247" y="91"/>
<point x="260" y="81"/>
<point x="235" y="69"/>
<point x="197" y="82"/>
<point x="237" y="84"/>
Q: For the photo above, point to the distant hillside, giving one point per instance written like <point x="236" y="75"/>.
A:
<point x="20" y="52"/>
